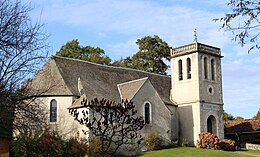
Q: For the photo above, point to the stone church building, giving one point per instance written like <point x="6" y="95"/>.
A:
<point x="177" y="107"/>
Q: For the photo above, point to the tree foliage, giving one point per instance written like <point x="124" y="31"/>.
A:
<point x="115" y="124"/>
<point x="23" y="48"/>
<point x="72" y="49"/>
<point x="153" y="51"/>
<point x="257" y="116"/>
<point x="228" y="116"/>
<point x="243" y="21"/>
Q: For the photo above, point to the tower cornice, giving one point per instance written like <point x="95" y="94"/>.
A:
<point x="195" y="47"/>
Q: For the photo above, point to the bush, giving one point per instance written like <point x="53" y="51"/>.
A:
<point x="95" y="148"/>
<point x="227" y="145"/>
<point x="48" y="144"/>
<point x="153" y="141"/>
<point x="25" y="145"/>
<point x="208" y="140"/>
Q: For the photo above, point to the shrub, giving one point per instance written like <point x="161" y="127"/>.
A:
<point x="227" y="145"/>
<point x="153" y="141"/>
<point x="48" y="144"/>
<point x="25" y="145"/>
<point x="208" y="140"/>
<point x="95" y="148"/>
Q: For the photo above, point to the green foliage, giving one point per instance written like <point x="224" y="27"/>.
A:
<point x="49" y="144"/>
<point x="72" y="49"/>
<point x="153" y="141"/>
<point x="208" y="140"/>
<point x="257" y="116"/>
<point x="239" y="118"/>
<point x="150" y="57"/>
<point x="25" y="146"/>
<point x="227" y="116"/>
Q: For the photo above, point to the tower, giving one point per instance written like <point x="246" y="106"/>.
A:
<point x="197" y="90"/>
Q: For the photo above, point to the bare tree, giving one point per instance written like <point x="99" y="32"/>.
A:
<point x="243" y="21"/>
<point x="23" y="49"/>
<point x="115" y="124"/>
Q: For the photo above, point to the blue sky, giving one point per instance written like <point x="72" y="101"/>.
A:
<point x="115" y="25"/>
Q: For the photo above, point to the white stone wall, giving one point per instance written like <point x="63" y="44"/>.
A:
<point x="161" y="119"/>
<point x="65" y="125"/>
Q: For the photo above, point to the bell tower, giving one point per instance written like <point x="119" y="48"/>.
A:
<point x="197" y="90"/>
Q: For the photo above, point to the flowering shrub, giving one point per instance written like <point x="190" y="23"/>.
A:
<point x="227" y="145"/>
<point x="208" y="140"/>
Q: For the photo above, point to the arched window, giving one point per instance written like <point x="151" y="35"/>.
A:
<point x="188" y="68"/>
<point x="147" y="113"/>
<point x="205" y="68"/>
<point x="180" y="70"/>
<point x="212" y="63"/>
<point x="53" y="111"/>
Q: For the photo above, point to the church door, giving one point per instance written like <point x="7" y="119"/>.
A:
<point x="211" y="125"/>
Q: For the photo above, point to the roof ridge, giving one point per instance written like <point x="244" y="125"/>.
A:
<point x="109" y="66"/>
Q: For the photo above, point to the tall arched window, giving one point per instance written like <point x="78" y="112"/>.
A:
<point x="53" y="111"/>
<point x="147" y="113"/>
<point x="188" y="68"/>
<point x="205" y="68"/>
<point x="212" y="63"/>
<point x="180" y="70"/>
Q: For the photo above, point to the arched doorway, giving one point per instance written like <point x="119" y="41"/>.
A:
<point x="211" y="125"/>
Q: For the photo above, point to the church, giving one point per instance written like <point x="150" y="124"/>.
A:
<point x="177" y="107"/>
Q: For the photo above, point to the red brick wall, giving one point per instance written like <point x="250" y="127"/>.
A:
<point x="4" y="148"/>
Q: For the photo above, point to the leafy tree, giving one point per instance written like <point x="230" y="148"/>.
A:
<point x="150" y="57"/>
<point x="257" y="116"/>
<point x="72" y="49"/>
<point x="114" y="124"/>
<point x="239" y="118"/>
<point x="22" y="51"/>
<point x="243" y="21"/>
<point x="228" y="116"/>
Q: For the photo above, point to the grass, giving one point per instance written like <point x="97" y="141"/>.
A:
<point x="196" y="152"/>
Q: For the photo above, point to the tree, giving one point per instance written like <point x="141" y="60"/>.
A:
<point x="115" y="124"/>
<point x="150" y="57"/>
<point x="257" y="116"/>
<point x="22" y="51"/>
<point x="72" y="49"/>
<point x="228" y="116"/>
<point x="244" y="21"/>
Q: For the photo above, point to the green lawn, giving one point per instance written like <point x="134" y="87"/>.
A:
<point x="197" y="152"/>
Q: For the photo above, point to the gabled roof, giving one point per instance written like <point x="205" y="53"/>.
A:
<point x="99" y="81"/>
<point x="129" y="89"/>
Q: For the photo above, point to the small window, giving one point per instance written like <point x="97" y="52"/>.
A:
<point x="53" y="111"/>
<point x="212" y="69"/>
<point x="180" y="70"/>
<point x="205" y="68"/>
<point x="147" y="113"/>
<point x="188" y="68"/>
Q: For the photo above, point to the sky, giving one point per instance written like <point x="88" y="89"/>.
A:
<point x="115" y="25"/>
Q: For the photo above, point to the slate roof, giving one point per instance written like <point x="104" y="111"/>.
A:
<point x="99" y="81"/>
<point x="129" y="89"/>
